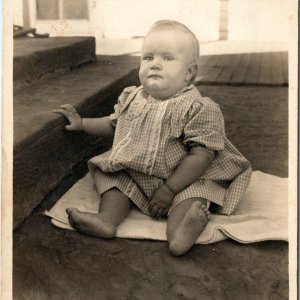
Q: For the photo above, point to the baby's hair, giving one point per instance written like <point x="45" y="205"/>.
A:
<point x="171" y="24"/>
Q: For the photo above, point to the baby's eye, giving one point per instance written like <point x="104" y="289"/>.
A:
<point x="148" y="57"/>
<point x="168" y="58"/>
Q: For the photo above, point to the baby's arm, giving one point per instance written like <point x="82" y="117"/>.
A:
<point x="95" y="126"/>
<point x="188" y="171"/>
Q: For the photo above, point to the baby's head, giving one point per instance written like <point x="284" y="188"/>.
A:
<point x="170" y="58"/>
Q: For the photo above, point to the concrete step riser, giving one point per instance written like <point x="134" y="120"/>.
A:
<point x="49" y="57"/>
<point x="41" y="163"/>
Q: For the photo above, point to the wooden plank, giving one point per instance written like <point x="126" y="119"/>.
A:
<point x="214" y="60"/>
<point x="205" y="59"/>
<point x="265" y="73"/>
<point x="225" y="60"/>
<point x="277" y="77"/>
<point x="252" y="74"/>
<point x="208" y="75"/>
<point x="240" y="71"/>
<point x="227" y="70"/>
<point x="213" y="74"/>
<point x="202" y="73"/>
<point x="285" y="67"/>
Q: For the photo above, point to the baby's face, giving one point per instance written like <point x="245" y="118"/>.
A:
<point x="165" y="63"/>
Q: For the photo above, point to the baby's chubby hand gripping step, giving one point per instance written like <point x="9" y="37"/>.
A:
<point x="69" y="112"/>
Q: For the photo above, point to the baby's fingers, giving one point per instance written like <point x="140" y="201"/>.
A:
<point x="68" y="107"/>
<point x="165" y="212"/>
<point x="154" y="211"/>
<point x="160" y="213"/>
<point x="70" y="127"/>
<point x="62" y="112"/>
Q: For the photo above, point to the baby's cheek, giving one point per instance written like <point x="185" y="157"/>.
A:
<point x="142" y="77"/>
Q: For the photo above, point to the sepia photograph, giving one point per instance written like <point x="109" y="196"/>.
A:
<point x="149" y="149"/>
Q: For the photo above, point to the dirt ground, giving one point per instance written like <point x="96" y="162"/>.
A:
<point x="51" y="263"/>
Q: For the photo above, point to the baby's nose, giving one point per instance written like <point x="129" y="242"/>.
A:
<point x="156" y="65"/>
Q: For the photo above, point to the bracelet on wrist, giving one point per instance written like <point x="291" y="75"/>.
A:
<point x="169" y="188"/>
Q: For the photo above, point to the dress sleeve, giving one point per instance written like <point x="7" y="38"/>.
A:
<point x="204" y="127"/>
<point x="121" y="102"/>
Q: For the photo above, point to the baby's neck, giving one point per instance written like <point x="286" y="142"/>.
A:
<point x="188" y="87"/>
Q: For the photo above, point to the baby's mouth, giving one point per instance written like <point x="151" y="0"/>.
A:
<point x="154" y="76"/>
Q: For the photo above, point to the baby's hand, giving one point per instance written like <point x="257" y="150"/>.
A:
<point x="71" y="114"/>
<point x="161" y="201"/>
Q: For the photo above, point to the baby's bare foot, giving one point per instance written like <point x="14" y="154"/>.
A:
<point x="91" y="223"/>
<point x="191" y="226"/>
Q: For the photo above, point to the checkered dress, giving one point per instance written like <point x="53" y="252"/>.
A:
<point x="153" y="136"/>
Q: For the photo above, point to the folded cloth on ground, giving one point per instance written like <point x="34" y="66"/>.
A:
<point x="261" y="215"/>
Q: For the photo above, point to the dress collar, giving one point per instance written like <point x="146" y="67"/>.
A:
<point x="185" y="89"/>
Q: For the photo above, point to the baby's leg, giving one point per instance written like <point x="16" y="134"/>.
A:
<point x="185" y="223"/>
<point x="113" y="209"/>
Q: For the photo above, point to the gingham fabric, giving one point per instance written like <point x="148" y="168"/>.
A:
<point x="141" y="193"/>
<point x="153" y="136"/>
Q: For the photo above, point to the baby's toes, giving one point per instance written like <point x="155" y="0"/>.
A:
<point x="208" y="215"/>
<point x="206" y="211"/>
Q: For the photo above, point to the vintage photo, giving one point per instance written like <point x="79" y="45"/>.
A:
<point x="150" y="149"/>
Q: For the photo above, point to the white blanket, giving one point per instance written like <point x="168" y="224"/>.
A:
<point x="262" y="214"/>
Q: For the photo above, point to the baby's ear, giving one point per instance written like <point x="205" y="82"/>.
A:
<point x="191" y="72"/>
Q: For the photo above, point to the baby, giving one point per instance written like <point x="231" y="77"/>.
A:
<point x="170" y="156"/>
